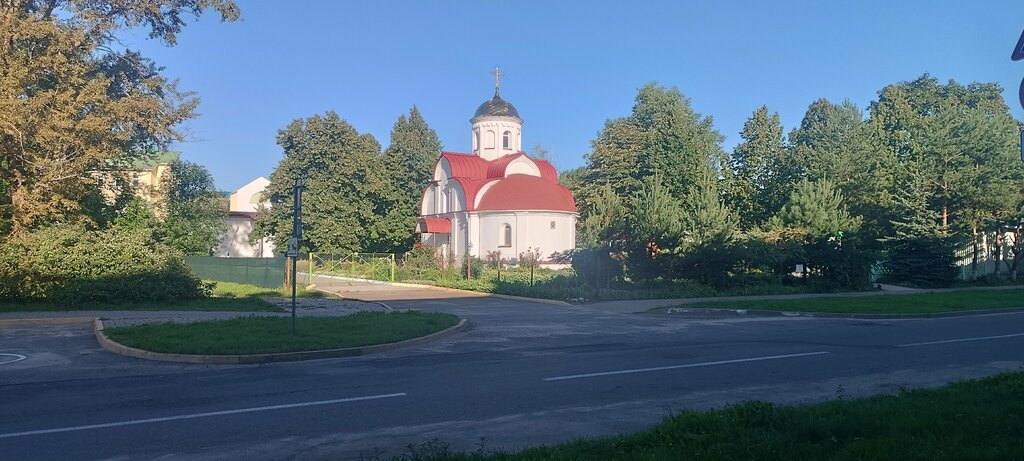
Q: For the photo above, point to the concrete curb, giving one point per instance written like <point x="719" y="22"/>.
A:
<point x="744" y="312"/>
<point x="44" y="321"/>
<point x="121" y="349"/>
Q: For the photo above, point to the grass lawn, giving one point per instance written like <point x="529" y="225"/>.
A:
<point x="918" y="303"/>
<point x="227" y="296"/>
<point x="242" y="290"/>
<point x="264" y="335"/>
<point x="977" y="419"/>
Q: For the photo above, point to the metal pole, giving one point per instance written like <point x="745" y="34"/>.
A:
<point x="297" y="235"/>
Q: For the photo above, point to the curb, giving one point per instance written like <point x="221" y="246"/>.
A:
<point x="121" y="349"/>
<point x="743" y="312"/>
<point x="45" y="321"/>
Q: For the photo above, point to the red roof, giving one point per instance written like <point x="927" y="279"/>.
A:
<point x="434" y="226"/>
<point x="466" y="165"/>
<point x="547" y="170"/>
<point x="512" y="192"/>
<point x="525" y="192"/>
<point x="496" y="168"/>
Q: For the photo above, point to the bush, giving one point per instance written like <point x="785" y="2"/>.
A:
<point x="927" y="262"/>
<point x="70" y="264"/>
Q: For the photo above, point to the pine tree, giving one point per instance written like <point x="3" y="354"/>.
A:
<point x="762" y="174"/>
<point x="817" y="209"/>
<point x="411" y="157"/>
<point x="706" y="219"/>
<point x="663" y="136"/>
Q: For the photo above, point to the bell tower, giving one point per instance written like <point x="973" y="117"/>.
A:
<point x="497" y="128"/>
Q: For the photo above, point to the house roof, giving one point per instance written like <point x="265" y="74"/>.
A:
<point x="432" y="225"/>
<point x="526" y="192"/>
<point x="488" y="186"/>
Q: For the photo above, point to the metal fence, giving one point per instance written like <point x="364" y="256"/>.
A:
<point x="379" y="267"/>
<point x="262" y="272"/>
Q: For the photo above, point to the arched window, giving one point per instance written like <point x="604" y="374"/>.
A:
<point x="476" y="140"/>
<point x="506" y="236"/>
<point x="490" y="139"/>
<point x="505" y="140"/>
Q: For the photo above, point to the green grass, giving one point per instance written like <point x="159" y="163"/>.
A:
<point x="227" y="296"/>
<point x="242" y="290"/>
<point x="918" y="303"/>
<point x="264" y="335"/>
<point x="202" y="304"/>
<point x="976" y="419"/>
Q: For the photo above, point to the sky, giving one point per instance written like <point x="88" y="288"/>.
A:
<point x="569" y="66"/>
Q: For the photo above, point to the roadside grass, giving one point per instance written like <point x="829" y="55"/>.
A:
<point x="227" y="296"/>
<point x="242" y="290"/>
<point x="265" y="335"/>
<point x="917" y="303"/>
<point x="974" y="419"/>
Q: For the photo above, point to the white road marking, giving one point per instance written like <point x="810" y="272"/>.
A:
<point x="17" y="358"/>
<point x="675" y="367"/>
<point x="198" y="415"/>
<point x="980" y="338"/>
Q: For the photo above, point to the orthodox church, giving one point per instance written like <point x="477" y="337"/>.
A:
<point x="496" y="198"/>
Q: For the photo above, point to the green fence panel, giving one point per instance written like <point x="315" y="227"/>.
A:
<point x="262" y="272"/>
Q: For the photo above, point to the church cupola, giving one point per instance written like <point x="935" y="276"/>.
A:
<point x="497" y="128"/>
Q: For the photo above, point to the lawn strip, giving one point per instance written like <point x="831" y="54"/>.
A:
<point x="268" y="335"/>
<point x="917" y="303"/>
<point x="975" y="419"/>
<point x="201" y="304"/>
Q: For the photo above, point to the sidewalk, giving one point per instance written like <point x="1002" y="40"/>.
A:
<point x="643" y="305"/>
<point x="305" y="307"/>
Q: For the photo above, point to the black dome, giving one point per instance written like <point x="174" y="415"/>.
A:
<point x="496" y="107"/>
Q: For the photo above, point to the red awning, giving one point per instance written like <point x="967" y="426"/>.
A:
<point x="434" y="226"/>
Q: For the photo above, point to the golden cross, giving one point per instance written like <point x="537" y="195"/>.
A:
<point x="497" y="77"/>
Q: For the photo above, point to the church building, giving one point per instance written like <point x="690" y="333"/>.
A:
<point x="496" y="198"/>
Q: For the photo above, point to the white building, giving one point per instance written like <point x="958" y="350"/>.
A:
<point x="497" y="198"/>
<point x="241" y="214"/>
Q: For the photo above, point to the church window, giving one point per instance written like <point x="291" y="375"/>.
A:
<point x="476" y="140"/>
<point x="505" y="140"/>
<point x="552" y="224"/>
<point x="490" y="139"/>
<point x="506" y="236"/>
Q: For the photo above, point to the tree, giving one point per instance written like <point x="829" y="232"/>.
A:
<point x="763" y="176"/>
<point x="663" y="136"/>
<point x="833" y="142"/>
<point x="71" y="101"/>
<point x="350" y="203"/>
<point x="818" y="209"/>
<point x="411" y="157"/>
<point x="193" y="213"/>
<point x="962" y="139"/>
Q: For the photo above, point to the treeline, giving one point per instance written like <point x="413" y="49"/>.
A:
<point x="357" y="198"/>
<point x="927" y="170"/>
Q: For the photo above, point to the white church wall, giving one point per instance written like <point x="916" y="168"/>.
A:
<point x="530" y="229"/>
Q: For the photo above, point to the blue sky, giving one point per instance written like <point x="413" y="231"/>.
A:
<point x="569" y="65"/>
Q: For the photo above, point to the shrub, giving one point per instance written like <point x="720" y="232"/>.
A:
<point x="70" y="264"/>
<point x="923" y="262"/>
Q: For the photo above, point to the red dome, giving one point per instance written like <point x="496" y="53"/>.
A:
<point x="525" y="192"/>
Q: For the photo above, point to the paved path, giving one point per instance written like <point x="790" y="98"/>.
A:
<point x="524" y="374"/>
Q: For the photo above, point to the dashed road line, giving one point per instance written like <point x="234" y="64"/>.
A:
<point x="676" y="367"/>
<point x="198" y="415"/>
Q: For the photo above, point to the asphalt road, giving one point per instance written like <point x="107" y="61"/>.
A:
<point x="524" y="374"/>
